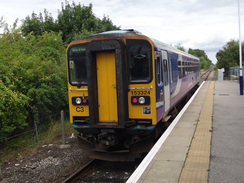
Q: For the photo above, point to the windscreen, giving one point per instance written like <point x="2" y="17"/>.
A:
<point x="77" y="64"/>
<point x="140" y="59"/>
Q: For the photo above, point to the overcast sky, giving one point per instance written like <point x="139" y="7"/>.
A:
<point x="198" y="24"/>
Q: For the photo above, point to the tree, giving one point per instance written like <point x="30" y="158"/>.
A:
<point x="73" y="21"/>
<point x="179" y="47"/>
<point x="204" y="60"/>
<point x="39" y="24"/>
<point x="2" y="22"/>
<point x="229" y="56"/>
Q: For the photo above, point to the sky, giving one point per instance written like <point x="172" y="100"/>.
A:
<point x="198" y="24"/>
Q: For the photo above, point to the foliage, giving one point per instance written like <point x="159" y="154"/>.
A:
<point x="2" y="22"/>
<point x="32" y="61"/>
<point x="204" y="60"/>
<point x="179" y="47"/>
<point x="13" y="113"/>
<point x="229" y="56"/>
<point x="74" y="21"/>
<point x="32" y="79"/>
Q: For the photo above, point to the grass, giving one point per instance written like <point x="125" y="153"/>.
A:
<point x="26" y="144"/>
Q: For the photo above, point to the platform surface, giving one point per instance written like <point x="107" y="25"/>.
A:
<point x="207" y="143"/>
<point x="227" y="150"/>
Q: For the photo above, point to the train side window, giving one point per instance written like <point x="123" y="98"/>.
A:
<point x="77" y="65"/>
<point x="179" y="69"/>
<point x="184" y="68"/>
<point x="159" y="70"/>
<point x="170" y="71"/>
<point x="140" y="60"/>
<point x="166" y="80"/>
<point x="189" y="66"/>
<point x="187" y="69"/>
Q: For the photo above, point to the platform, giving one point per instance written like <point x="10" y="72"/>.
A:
<point x="204" y="144"/>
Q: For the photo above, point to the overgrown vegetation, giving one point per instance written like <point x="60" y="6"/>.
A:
<point x="33" y="80"/>
<point x="33" y="83"/>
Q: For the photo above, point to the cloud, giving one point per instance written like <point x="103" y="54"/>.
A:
<point x="197" y="24"/>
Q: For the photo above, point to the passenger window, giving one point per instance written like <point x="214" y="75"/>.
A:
<point x="184" y="69"/>
<point x="159" y="71"/>
<point x="179" y="69"/>
<point x="170" y="71"/>
<point x="166" y="80"/>
<point x="140" y="59"/>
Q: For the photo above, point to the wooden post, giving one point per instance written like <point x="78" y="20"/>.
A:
<point x="63" y="128"/>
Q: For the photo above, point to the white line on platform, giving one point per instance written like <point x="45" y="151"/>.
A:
<point x="143" y="165"/>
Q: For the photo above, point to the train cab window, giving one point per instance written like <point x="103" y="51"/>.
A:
<point x="140" y="60"/>
<point x="77" y="65"/>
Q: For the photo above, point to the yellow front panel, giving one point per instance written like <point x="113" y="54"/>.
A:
<point x="106" y="84"/>
<point x="142" y="111"/>
<point x="77" y="110"/>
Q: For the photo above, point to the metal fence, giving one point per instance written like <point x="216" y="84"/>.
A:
<point x="235" y="71"/>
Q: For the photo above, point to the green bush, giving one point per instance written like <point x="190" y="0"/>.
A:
<point x="32" y="78"/>
<point x="13" y="111"/>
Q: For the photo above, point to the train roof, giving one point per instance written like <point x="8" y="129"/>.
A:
<point x="167" y="47"/>
<point x="114" y="33"/>
<point x="132" y="32"/>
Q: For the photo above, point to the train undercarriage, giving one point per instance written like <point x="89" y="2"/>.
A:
<point x="117" y="145"/>
<point x="126" y="144"/>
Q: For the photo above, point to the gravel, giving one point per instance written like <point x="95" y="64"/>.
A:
<point x="51" y="163"/>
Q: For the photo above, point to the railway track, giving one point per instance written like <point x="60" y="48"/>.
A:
<point x="204" y="75"/>
<point x="103" y="172"/>
<point x="77" y="176"/>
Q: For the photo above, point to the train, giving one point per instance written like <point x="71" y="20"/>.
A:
<point x="122" y="89"/>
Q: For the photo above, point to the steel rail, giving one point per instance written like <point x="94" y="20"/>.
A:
<point x="75" y="176"/>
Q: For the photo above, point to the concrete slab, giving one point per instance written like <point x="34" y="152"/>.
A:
<point x="169" y="153"/>
<point x="161" y="171"/>
<point x="227" y="151"/>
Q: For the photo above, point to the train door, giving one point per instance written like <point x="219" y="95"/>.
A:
<point x="106" y="86"/>
<point x="166" y="81"/>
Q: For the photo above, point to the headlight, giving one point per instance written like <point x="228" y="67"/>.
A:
<point x="78" y="100"/>
<point x="142" y="100"/>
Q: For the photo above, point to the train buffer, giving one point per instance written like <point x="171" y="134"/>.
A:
<point x="204" y="143"/>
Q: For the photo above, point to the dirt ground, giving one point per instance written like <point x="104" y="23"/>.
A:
<point x="51" y="163"/>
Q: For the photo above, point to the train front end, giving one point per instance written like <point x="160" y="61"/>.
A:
<point x="112" y="94"/>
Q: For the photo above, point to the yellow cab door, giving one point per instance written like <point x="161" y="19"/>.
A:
<point x="106" y="86"/>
